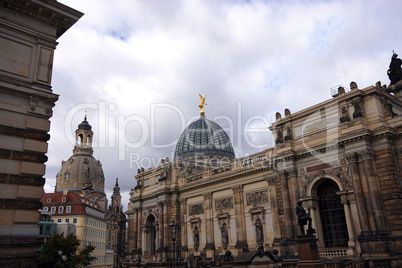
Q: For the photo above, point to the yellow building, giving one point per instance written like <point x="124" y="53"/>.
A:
<point x="88" y="218"/>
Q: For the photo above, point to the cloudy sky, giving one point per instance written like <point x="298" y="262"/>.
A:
<point x="137" y="67"/>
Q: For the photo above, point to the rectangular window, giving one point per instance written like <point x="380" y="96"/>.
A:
<point x="67" y="220"/>
<point x="75" y="220"/>
<point x="58" y="220"/>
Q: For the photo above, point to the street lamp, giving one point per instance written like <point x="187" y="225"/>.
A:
<point x="173" y="231"/>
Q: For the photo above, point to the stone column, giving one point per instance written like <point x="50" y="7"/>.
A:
<point x="166" y="238"/>
<point x="139" y="230"/>
<point x="349" y="222"/>
<point x="135" y="228"/>
<point x="183" y="226"/>
<point x="130" y="231"/>
<point x="274" y="207"/>
<point x="374" y="192"/>
<point x="286" y="205"/>
<point x="209" y="225"/>
<point x="360" y="201"/>
<point x="294" y="195"/>
<point x="239" y="214"/>
<point x="160" y="230"/>
<point x="316" y="219"/>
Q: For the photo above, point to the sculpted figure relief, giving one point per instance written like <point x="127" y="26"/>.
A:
<point x="259" y="231"/>
<point x="225" y="237"/>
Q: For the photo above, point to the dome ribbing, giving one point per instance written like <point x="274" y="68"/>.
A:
<point x="204" y="138"/>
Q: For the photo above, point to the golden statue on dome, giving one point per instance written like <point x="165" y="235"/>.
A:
<point x="202" y="112"/>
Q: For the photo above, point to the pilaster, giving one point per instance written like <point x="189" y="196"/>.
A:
<point x="240" y="220"/>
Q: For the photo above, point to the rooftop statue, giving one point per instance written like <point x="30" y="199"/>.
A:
<point x="395" y="72"/>
<point x="202" y="104"/>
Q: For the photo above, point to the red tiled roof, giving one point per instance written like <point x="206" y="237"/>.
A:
<point x="78" y="204"/>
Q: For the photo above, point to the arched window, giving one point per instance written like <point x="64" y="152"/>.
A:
<point x="333" y="221"/>
<point x="80" y="139"/>
<point x="150" y="230"/>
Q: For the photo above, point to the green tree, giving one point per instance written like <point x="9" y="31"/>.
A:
<point x="60" y="251"/>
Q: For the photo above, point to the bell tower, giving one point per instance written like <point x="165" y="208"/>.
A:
<point x="83" y="138"/>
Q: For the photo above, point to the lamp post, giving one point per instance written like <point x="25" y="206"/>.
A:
<point x="173" y="230"/>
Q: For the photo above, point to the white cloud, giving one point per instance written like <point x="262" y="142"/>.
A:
<point x="267" y="55"/>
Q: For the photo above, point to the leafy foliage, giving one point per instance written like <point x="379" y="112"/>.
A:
<point x="60" y="251"/>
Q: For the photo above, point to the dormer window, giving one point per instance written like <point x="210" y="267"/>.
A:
<point x="53" y="210"/>
<point x="61" y="209"/>
<point x="49" y="200"/>
<point x="64" y="200"/>
<point x="45" y="209"/>
<point x="68" y="209"/>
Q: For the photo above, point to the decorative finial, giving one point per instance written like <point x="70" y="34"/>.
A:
<point x="85" y="115"/>
<point x="202" y="112"/>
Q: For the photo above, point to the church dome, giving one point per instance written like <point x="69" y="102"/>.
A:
<point x="204" y="138"/>
<point x="77" y="171"/>
<point x="82" y="173"/>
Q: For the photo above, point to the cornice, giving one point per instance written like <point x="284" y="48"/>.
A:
<point x="47" y="11"/>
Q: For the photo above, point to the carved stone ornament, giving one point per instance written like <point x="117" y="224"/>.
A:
<point x="41" y="106"/>
<point x="288" y="135"/>
<point x="388" y="108"/>
<point x="291" y="172"/>
<point x="281" y="174"/>
<point x="351" y="158"/>
<point x="358" y="110"/>
<point x="279" y="136"/>
<point x="353" y="85"/>
<point x="366" y="155"/>
<point x="257" y="198"/>
<point x="341" y="173"/>
<point x="148" y="212"/>
<point x="271" y="180"/>
<point x="237" y="188"/>
<point x="344" y="115"/>
<point x="224" y="204"/>
<point x="196" y="209"/>
<point x="257" y="213"/>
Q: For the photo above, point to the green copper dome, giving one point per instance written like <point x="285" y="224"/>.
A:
<point x="204" y="138"/>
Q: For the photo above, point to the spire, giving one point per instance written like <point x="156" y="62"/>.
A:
<point x="116" y="188"/>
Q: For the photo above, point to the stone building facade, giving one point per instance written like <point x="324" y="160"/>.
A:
<point x="28" y="34"/>
<point x="341" y="157"/>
